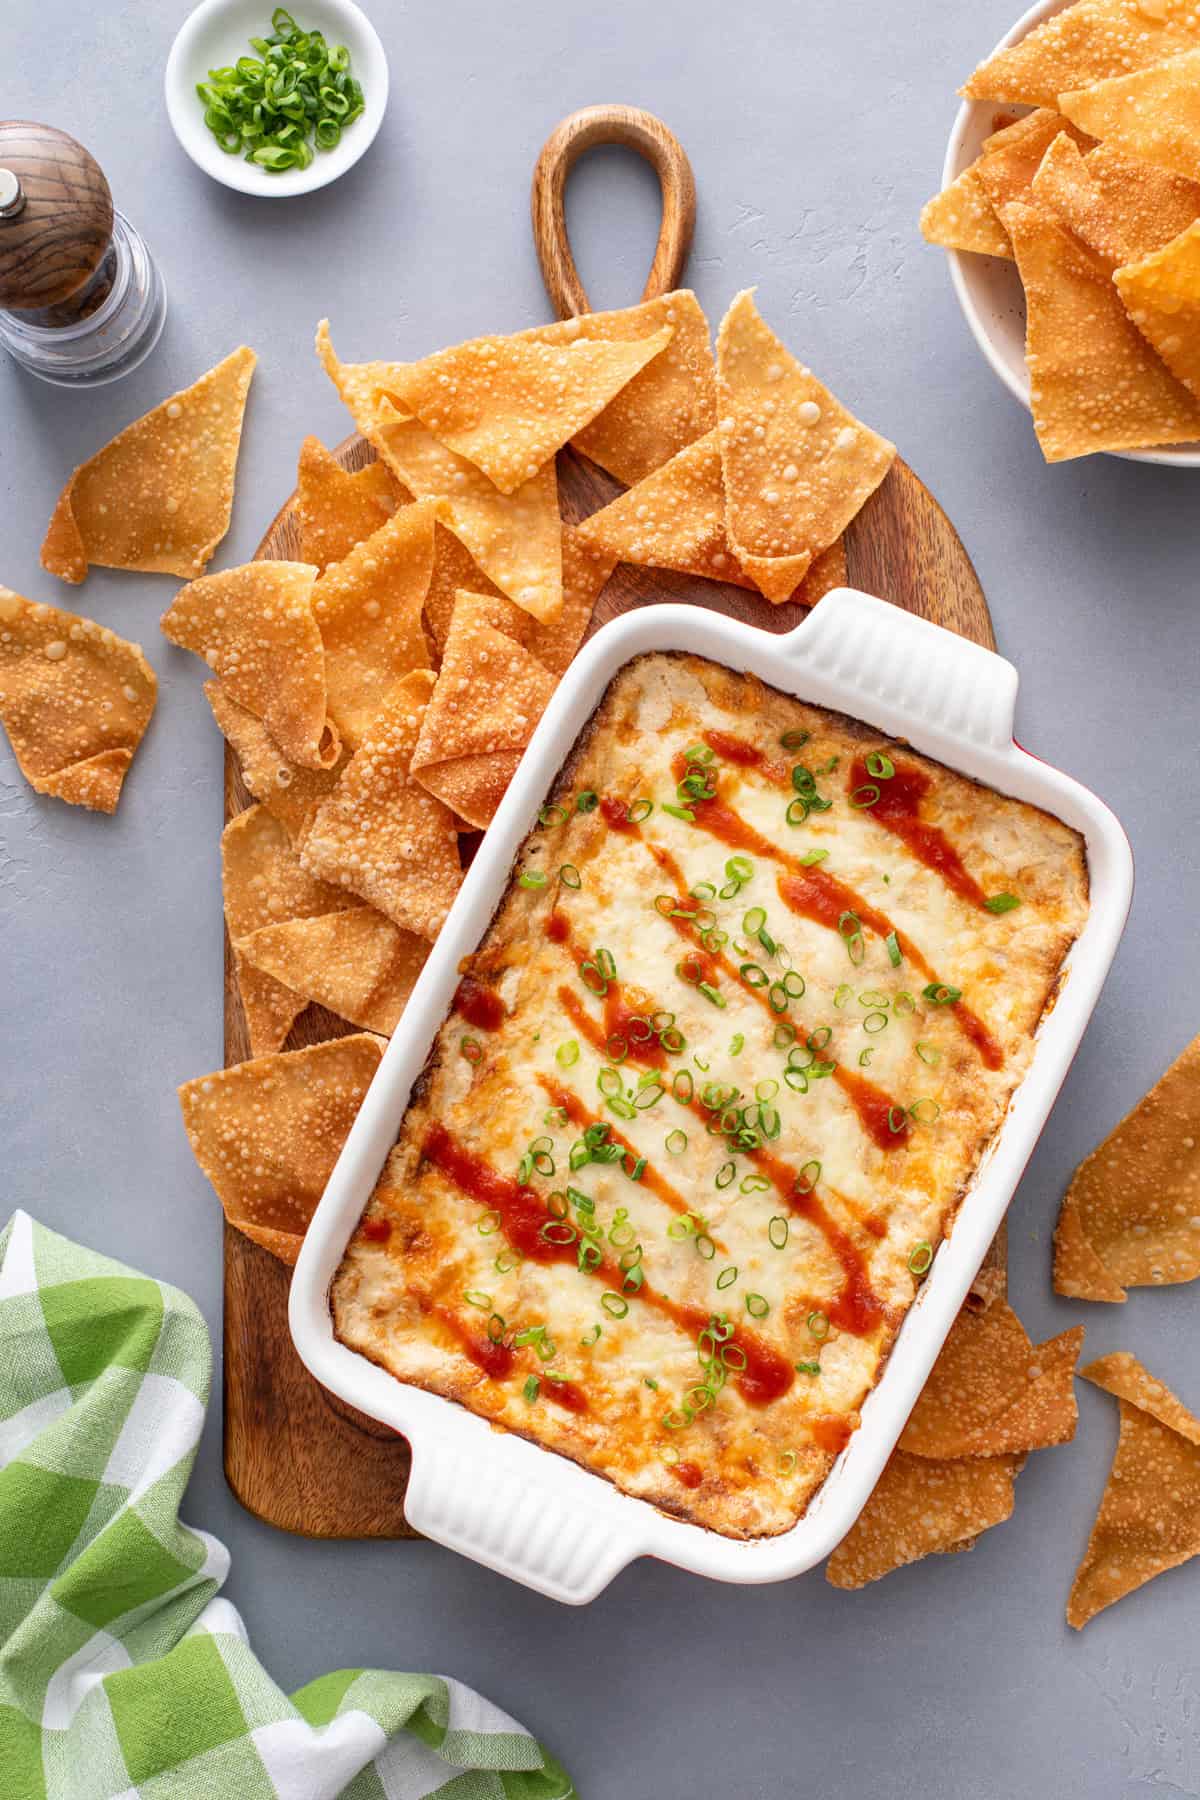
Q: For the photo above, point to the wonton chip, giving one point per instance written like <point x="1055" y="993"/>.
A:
<point x="453" y="568"/>
<point x="380" y="833"/>
<point x="1149" y="1517"/>
<point x="668" y="406"/>
<point x="75" y="700"/>
<point x="355" y="962"/>
<point x="291" y="793"/>
<point x="674" y="519"/>
<point x="254" y="626"/>
<point x="1122" y="210"/>
<point x="920" y="1506"/>
<point x="267" y="1133"/>
<point x="1131" y="1216"/>
<point x="490" y="694"/>
<point x="1087" y="42"/>
<point x="516" y="539"/>
<point x="1007" y="171"/>
<point x="991" y="1392"/>
<point x="263" y="883"/>
<point x="338" y="508"/>
<point x="1152" y="115"/>
<point x="797" y="465"/>
<point x="368" y="610"/>
<point x="507" y="404"/>
<point x="1094" y="382"/>
<point x="159" y="496"/>
<point x="1162" y="296"/>
<point x="585" y="572"/>
<point x="962" y="217"/>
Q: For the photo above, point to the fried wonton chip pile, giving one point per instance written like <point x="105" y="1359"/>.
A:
<point x="264" y="884"/>
<point x="764" y="498"/>
<point x="338" y="508"/>
<point x="268" y="1132"/>
<point x="1149" y="1517"/>
<point x="991" y="1398"/>
<point x="379" y="691"/>
<point x="1096" y="196"/>
<point x="1131" y="1216"/>
<point x="157" y="498"/>
<point x="75" y="700"/>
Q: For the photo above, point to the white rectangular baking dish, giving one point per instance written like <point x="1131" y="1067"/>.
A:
<point x="523" y="1509"/>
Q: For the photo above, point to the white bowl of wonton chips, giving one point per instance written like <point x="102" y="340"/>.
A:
<point x="988" y="287"/>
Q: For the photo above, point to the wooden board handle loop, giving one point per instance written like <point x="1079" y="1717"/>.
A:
<point x="571" y="137"/>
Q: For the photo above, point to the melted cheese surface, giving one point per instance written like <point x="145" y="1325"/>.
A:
<point x="673" y="1172"/>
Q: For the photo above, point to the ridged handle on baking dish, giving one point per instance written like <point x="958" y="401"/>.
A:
<point x="483" y="1505"/>
<point x="905" y="669"/>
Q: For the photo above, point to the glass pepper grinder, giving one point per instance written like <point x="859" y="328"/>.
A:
<point x="81" y="301"/>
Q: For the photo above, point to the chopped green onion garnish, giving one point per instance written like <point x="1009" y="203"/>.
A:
<point x="592" y="1336"/>
<point x="567" y="1054"/>
<point x="881" y="767"/>
<point x="938" y="993"/>
<point x="891" y="944"/>
<point x="710" y="993"/>
<point x="737" y="1044"/>
<point x="728" y="1276"/>
<point x="471" y="1048"/>
<point x="818" y="1324"/>
<point x="680" y="812"/>
<point x="533" y="878"/>
<point x="266" y="109"/>
<point x="875" y="1022"/>
<point x="473" y="1297"/>
<point x="1001" y="903"/>
<point x="865" y="796"/>
<point x="488" y="1223"/>
<point x="777" y="1231"/>
<point x="532" y="1385"/>
<point x="552" y="815"/>
<point x="639" y="810"/>
<point x="794" y="740"/>
<point x="587" y="801"/>
<point x="676" y="1142"/>
<point x="613" y="1304"/>
<point x="920" y="1257"/>
<point x="929" y="1053"/>
<point x="569" y="876"/>
<point x="811" y="857"/>
<point x="924" y="1111"/>
<point x="756" y="1306"/>
<point x="808" y="1368"/>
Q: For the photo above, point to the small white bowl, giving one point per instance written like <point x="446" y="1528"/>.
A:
<point x="218" y="32"/>
<point x="988" y="287"/>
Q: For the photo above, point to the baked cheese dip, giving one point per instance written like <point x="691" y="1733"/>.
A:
<point x="754" y="1004"/>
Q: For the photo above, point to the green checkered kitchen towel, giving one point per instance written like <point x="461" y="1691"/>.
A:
<point x="123" y="1675"/>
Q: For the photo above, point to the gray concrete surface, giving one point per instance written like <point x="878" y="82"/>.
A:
<point x="816" y="133"/>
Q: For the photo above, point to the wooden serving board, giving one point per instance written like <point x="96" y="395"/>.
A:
<point x="295" y="1455"/>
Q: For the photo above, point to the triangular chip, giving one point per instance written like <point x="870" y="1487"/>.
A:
<point x="382" y="835"/>
<point x="472" y="786"/>
<point x="673" y="519"/>
<point x="355" y="962"/>
<point x="338" y="508"/>
<point x="267" y="1133"/>
<point x="1094" y="382"/>
<point x="255" y="628"/>
<point x="585" y="572"/>
<point x="1131" y="1216"/>
<point x="75" y="700"/>
<point x="1149" y="1517"/>
<point x="490" y="692"/>
<point x="159" y="496"/>
<point x="1152" y="115"/>
<point x="920" y="1507"/>
<point x="962" y="217"/>
<point x="368" y="609"/>
<point x="1121" y="210"/>
<point x="1162" y="296"/>
<point x="508" y="404"/>
<point x="797" y="465"/>
<point x="1087" y="42"/>
<point x="263" y="883"/>
<point x="991" y="1392"/>
<point x="1007" y="170"/>
<point x="291" y="793"/>
<point x="669" y="405"/>
<point x="516" y="539"/>
<point x="453" y="568"/>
